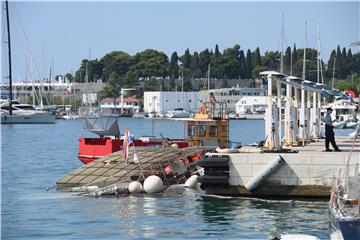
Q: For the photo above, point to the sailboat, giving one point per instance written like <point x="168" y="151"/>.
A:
<point x="344" y="207"/>
<point x="12" y="112"/>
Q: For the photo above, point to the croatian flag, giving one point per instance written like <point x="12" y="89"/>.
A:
<point x="127" y="141"/>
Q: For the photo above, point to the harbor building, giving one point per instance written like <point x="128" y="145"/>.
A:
<point x="232" y="95"/>
<point x="121" y="106"/>
<point x="162" y="102"/>
<point x="251" y="105"/>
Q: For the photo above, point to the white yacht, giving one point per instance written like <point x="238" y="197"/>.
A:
<point x="178" y="113"/>
<point x="23" y="113"/>
<point x="344" y="111"/>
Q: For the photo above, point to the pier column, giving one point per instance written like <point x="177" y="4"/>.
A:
<point x="302" y="116"/>
<point x="277" y="122"/>
<point x="295" y="130"/>
<point x="308" y="125"/>
<point x="313" y="117"/>
<point x="318" y="115"/>
<point x="288" y="124"/>
<point x="269" y="127"/>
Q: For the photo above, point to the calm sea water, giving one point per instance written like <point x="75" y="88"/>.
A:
<point x="35" y="156"/>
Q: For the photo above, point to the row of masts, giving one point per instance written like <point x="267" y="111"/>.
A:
<point x="318" y="57"/>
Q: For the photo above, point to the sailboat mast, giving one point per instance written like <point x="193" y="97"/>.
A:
<point x="304" y="63"/>
<point x="9" y="52"/>
<point x="282" y="46"/>
<point x="208" y="87"/>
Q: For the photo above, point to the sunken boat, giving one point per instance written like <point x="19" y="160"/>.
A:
<point x="164" y="165"/>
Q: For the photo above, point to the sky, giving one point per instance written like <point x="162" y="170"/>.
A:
<point x="61" y="34"/>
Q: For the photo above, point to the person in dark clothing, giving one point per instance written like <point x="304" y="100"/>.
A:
<point x="329" y="132"/>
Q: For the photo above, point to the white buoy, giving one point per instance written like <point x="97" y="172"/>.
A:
<point x="153" y="184"/>
<point x="191" y="182"/>
<point x="136" y="158"/>
<point x="174" y="145"/>
<point x="297" y="237"/>
<point x="135" y="187"/>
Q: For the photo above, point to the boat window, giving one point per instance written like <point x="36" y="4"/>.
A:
<point x="201" y="130"/>
<point x="213" y="131"/>
<point x="25" y="107"/>
<point x="191" y="131"/>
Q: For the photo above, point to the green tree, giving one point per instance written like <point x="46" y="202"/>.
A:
<point x="287" y="61"/>
<point x="204" y="61"/>
<point x="257" y="58"/>
<point x="196" y="72"/>
<point x="116" y="61"/>
<point x="112" y="87"/>
<point x="248" y="64"/>
<point x="69" y="77"/>
<point x="174" y="66"/>
<point x="150" y="64"/>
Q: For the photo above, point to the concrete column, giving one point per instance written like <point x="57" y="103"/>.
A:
<point x="296" y="115"/>
<point x="313" y="124"/>
<point x="278" y="125"/>
<point x="307" y="115"/>
<point x="318" y="114"/>
<point x="302" y="116"/>
<point x="288" y="129"/>
<point x="269" y="143"/>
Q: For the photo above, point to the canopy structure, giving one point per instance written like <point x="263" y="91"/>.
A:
<point x="94" y="121"/>
<point x="302" y="115"/>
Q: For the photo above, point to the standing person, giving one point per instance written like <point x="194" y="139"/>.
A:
<point x="329" y="132"/>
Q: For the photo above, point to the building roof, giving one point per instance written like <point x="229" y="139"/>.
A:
<point x="118" y="100"/>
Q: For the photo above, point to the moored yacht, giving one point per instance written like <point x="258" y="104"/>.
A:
<point x="23" y="114"/>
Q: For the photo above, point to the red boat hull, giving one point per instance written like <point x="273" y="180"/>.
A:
<point x="91" y="149"/>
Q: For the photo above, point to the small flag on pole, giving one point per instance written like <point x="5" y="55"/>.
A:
<point x="127" y="141"/>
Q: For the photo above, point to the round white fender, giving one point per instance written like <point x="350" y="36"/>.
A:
<point x="297" y="237"/>
<point x="153" y="184"/>
<point x="191" y="182"/>
<point x="135" y="187"/>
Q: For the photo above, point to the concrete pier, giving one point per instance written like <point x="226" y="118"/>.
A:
<point x="306" y="174"/>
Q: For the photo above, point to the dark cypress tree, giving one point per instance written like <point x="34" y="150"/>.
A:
<point x="242" y="63"/>
<point x="174" y="66"/>
<point x="248" y="64"/>
<point x="217" y="53"/>
<point x="349" y="62"/>
<point x="294" y="55"/>
<point x="338" y="63"/>
<point x="257" y="57"/>
<point x="331" y="64"/>
<point x="186" y="60"/>
<point x="196" y="73"/>
<point x="287" y="60"/>
<point x="344" y="63"/>
<point x="204" y="60"/>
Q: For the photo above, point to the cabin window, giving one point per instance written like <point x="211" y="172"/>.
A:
<point x="213" y="131"/>
<point x="191" y="131"/>
<point x="201" y="130"/>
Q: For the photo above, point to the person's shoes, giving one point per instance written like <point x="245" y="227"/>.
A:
<point x="338" y="150"/>
<point x="328" y="150"/>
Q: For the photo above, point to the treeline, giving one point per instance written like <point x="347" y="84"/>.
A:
<point x="119" y="69"/>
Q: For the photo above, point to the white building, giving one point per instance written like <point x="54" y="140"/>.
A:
<point x="231" y="95"/>
<point x="161" y="102"/>
<point x="118" y="106"/>
<point x="251" y="105"/>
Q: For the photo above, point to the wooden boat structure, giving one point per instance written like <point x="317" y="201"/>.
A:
<point x="169" y="163"/>
<point x="110" y="174"/>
